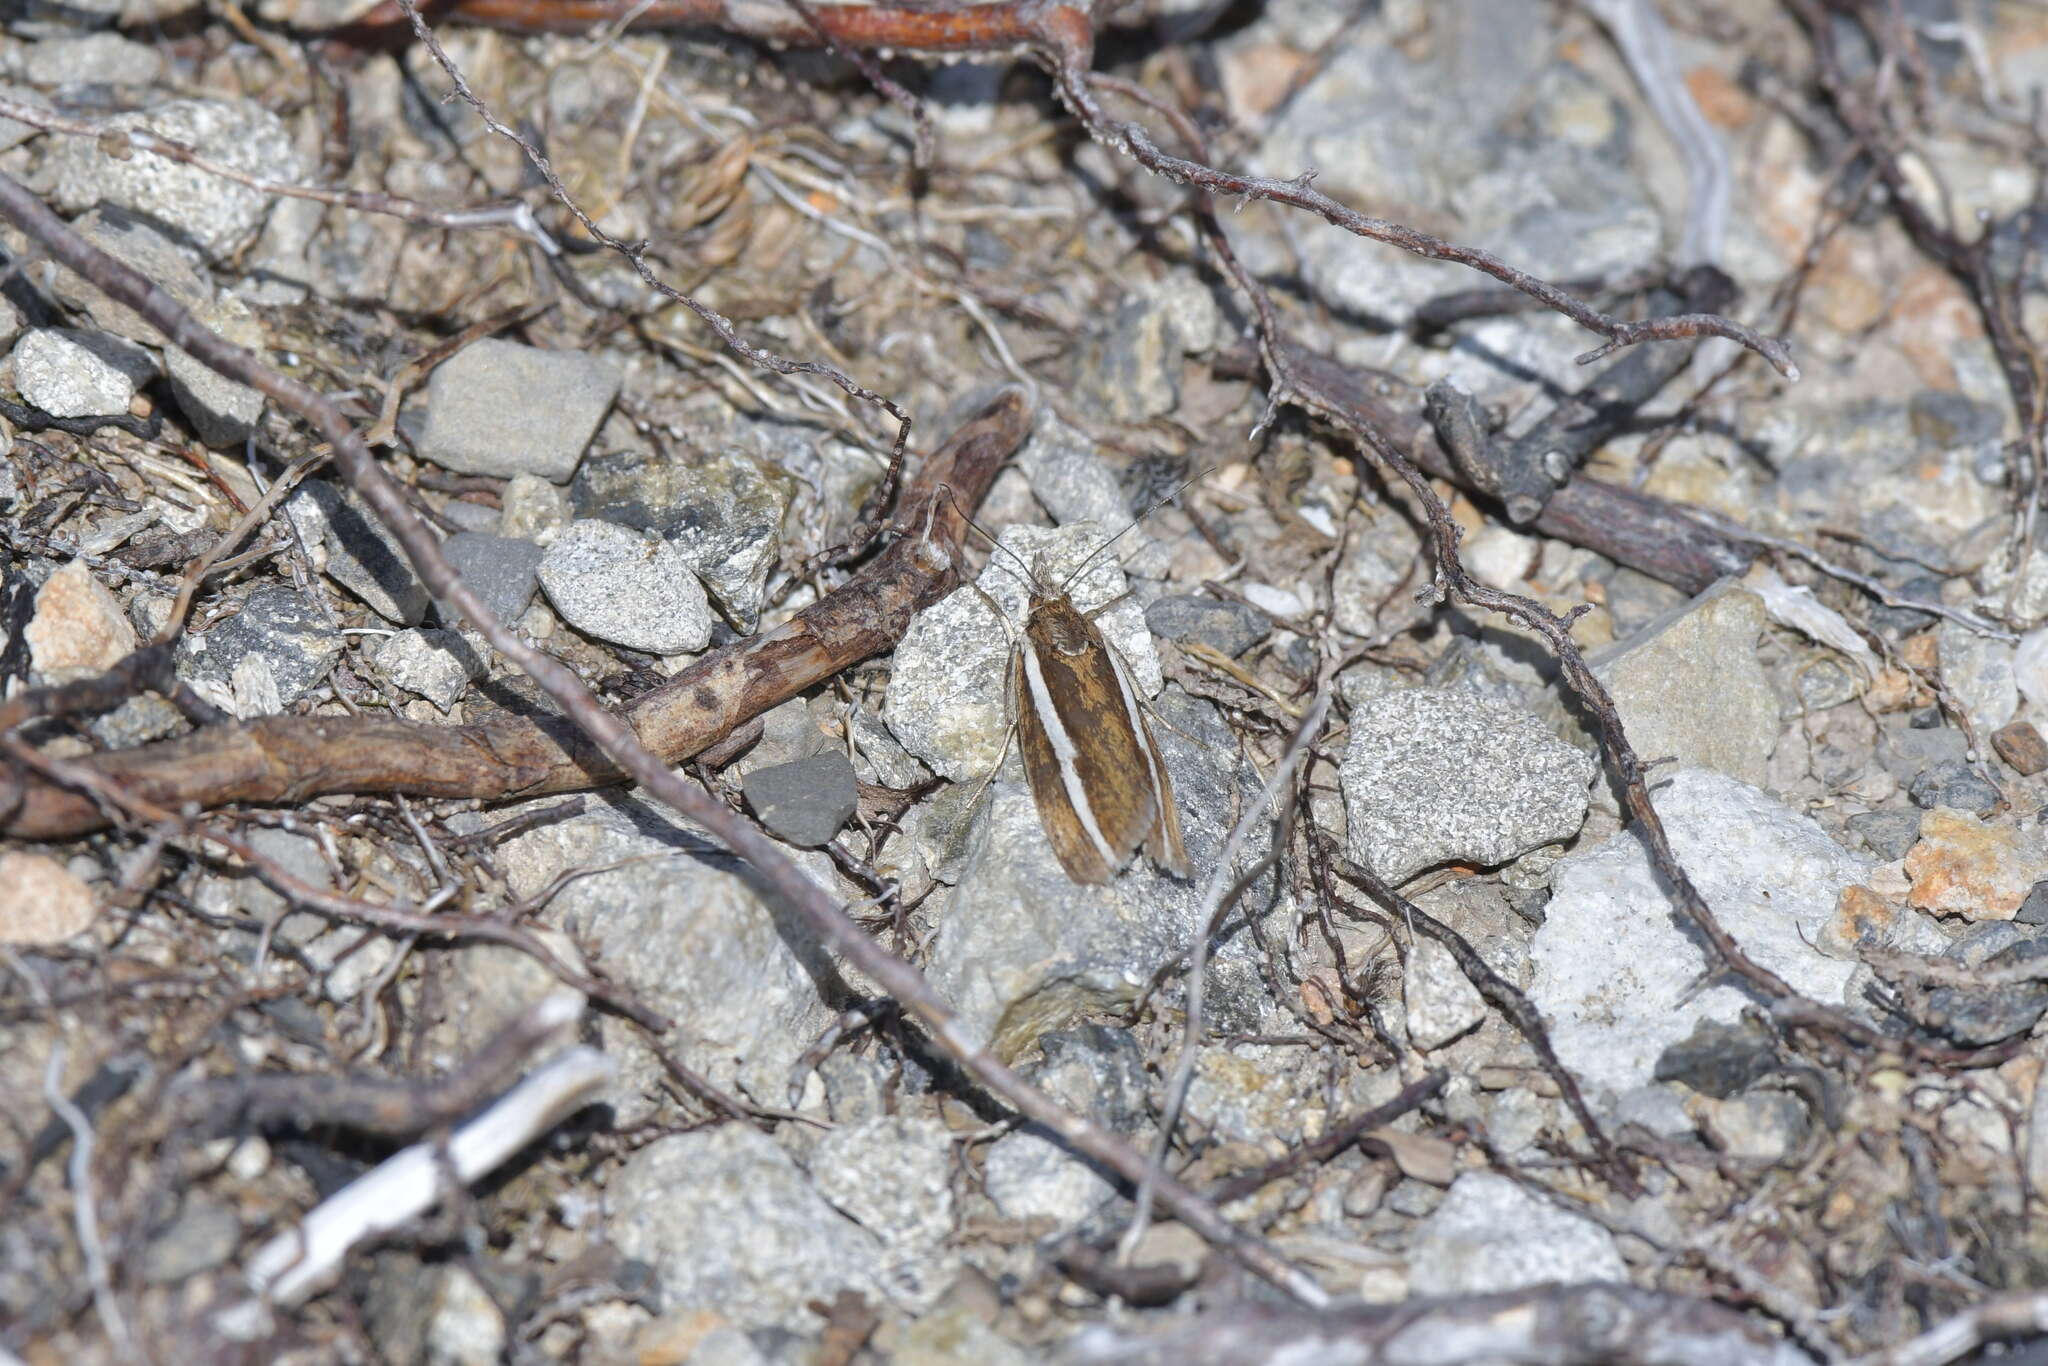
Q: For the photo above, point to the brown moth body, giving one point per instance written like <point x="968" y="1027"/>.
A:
<point x="1096" y="774"/>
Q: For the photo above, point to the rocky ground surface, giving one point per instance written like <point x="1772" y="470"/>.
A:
<point x="1845" y="726"/>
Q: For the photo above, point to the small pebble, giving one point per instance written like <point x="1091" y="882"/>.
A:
<point x="41" y="901"/>
<point x="78" y="623"/>
<point x="629" y="589"/>
<point x="2022" y="748"/>
<point x="504" y="570"/>
<point x="805" y="801"/>
<point x="1954" y="784"/>
<point x="1230" y="628"/>
<point x="437" y="665"/>
<point x="1888" y="834"/>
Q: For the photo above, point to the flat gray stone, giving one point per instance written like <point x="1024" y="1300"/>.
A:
<point x="804" y="802"/>
<point x="1689" y="687"/>
<point x="278" y="633"/>
<point x="91" y="59"/>
<point x="216" y="215"/>
<point x="893" y="1175"/>
<point x="67" y="372"/>
<point x="1440" y="775"/>
<point x="221" y="411"/>
<point x="1229" y="627"/>
<point x="135" y="242"/>
<point x="361" y="553"/>
<point x="504" y="571"/>
<point x="1980" y="671"/>
<point x="499" y="408"/>
<point x="627" y="588"/>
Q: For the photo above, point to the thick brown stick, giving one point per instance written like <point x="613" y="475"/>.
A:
<point x="291" y="758"/>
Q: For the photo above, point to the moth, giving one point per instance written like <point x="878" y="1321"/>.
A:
<point x="1096" y="774"/>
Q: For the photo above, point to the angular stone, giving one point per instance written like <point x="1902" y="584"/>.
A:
<point x="216" y="215"/>
<point x="361" y="553"/>
<point x="1491" y="1235"/>
<point x="2021" y="746"/>
<point x="78" y="624"/>
<point x="804" y="802"/>
<point x="1435" y="775"/>
<point x="1689" y="687"/>
<point x="221" y="412"/>
<point x="278" y="633"/>
<point x="67" y="372"/>
<point x="504" y="571"/>
<point x="722" y="511"/>
<point x="437" y="665"/>
<point x="1962" y="866"/>
<point x="1228" y="627"/>
<point x="624" y="587"/>
<point x="729" y="1223"/>
<point x="499" y="408"/>
<point x="133" y="241"/>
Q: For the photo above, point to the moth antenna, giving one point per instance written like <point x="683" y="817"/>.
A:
<point x="1132" y="524"/>
<point x="1030" y="575"/>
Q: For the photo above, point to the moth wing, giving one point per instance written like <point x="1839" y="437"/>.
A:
<point x="1071" y="842"/>
<point x="1163" y="842"/>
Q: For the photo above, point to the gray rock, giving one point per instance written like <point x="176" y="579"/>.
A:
<point x="2034" y="910"/>
<point x="1762" y="1127"/>
<point x="532" y="508"/>
<point x="1719" y="1060"/>
<point x="203" y="1236"/>
<point x="1888" y="834"/>
<point x="1942" y="417"/>
<point x="1030" y="1175"/>
<point x="138" y="720"/>
<point x="946" y="696"/>
<point x="503" y="570"/>
<point x="499" y="408"/>
<point x="722" y="512"/>
<point x="1905" y="621"/>
<point x="1022" y="950"/>
<point x="1227" y="626"/>
<point x="214" y="214"/>
<point x="1433" y="775"/>
<point x="1689" y="687"/>
<point x="1441" y="1005"/>
<point x="1132" y="372"/>
<point x="221" y="412"/>
<point x="1955" y="784"/>
<point x="1616" y="975"/>
<point x="1908" y="751"/>
<point x="684" y="927"/>
<point x="1634" y="600"/>
<point x="893" y="1175"/>
<point x="133" y="241"/>
<point x="804" y="802"/>
<point x="361" y="554"/>
<point x="1979" y="671"/>
<point x="301" y="857"/>
<point x="91" y="59"/>
<point x="277" y="631"/>
<point x="1097" y="1071"/>
<point x="437" y="665"/>
<point x="728" y="1222"/>
<point x="1491" y="1235"/>
<point x="624" y="587"/>
<point x="1069" y="477"/>
<point x="13" y="132"/>
<point x="71" y="373"/>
